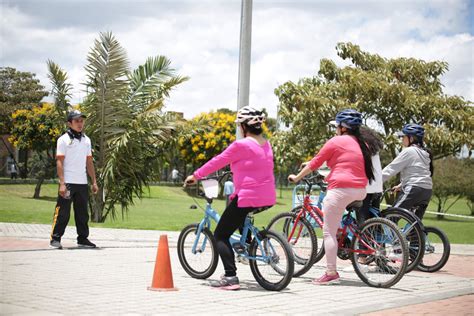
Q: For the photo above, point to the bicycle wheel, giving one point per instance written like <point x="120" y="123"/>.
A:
<point x="274" y="263"/>
<point x="387" y="253"/>
<point x="318" y="232"/>
<point x="201" y="263"/>
<point x="300" y="235"/>
<point x="437" y="250"/>
<point x="413" y="233"/>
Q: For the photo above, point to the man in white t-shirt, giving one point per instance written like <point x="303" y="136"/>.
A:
<point x="74" y="162"/>
<point x="175" y="175"/>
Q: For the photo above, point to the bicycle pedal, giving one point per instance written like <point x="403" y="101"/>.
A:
<point x="239" y="248"/>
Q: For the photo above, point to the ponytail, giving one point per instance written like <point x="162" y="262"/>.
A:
<point x="430" y="153"/>
<point x="369" y="170"/>
<point x="431" y="160"/>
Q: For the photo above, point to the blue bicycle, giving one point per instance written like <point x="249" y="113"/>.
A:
<point x="269" y="255"/>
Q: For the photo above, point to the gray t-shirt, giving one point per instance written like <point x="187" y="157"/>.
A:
<point x="413" y="163"/>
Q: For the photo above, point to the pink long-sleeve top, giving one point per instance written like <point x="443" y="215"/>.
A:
<point x="344" y="157"/>
<point x="252" y="168"/>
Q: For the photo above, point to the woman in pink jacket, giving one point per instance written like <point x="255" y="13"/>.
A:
<point x="251" y="162"/>
<point x="350" y="162"/>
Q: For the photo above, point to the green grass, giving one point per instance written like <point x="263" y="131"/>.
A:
<point x="163" y="208"/>
<point x="167" y="208"/>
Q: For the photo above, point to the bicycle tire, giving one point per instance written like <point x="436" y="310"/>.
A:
<point x="424" y="266"/>
<point x="382" y="258"/>
<point x="184" y="256"/>
<point x="316" y="227"/>
<point x="287" y="252"/>
<point x="415" y="238"/>
<point x="303" y="263"/>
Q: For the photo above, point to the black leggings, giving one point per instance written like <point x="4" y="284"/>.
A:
<point x="364" y="213"/>
<point x="232" y="218"/>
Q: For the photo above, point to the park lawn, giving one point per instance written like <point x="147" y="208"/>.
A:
<point x="167" y="208"/>
<point x="163" y="208"/>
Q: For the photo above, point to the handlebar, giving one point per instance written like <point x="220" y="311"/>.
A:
<point x="218" y="177"/>
<point x="316" y="179"/>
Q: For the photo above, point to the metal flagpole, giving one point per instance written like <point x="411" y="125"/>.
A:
<point x="244" y="57"/>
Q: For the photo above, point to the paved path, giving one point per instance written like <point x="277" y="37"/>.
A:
<point x="113" y="279"/>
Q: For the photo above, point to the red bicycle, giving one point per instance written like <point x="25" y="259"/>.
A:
<point x="377" y="249"/>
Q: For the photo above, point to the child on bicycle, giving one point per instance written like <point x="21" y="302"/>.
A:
<point x="415" y="165"/>
<point x="350" y="162"/>
<point x="251" y="162"/>
<point x="374" y="188"/>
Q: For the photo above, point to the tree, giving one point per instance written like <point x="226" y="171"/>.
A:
<point x="185" y="131"/>
<point x="468" y="179"/>
<point x="37" y="129"/>
<point x="18" y="90"/>
<point x="389" y="93"/>
<point x="450" y="181"/>
<point x="206" y="143"/>
<point x="125" y="122"/>
<point x="61" y="89"/>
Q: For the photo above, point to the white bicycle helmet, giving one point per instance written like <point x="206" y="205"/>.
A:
<point x="250" y="116"/>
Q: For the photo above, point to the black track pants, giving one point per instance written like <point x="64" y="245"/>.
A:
<point x="78" y="197"/>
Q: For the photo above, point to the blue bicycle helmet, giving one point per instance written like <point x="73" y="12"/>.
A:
<point x="349" y="118"/>
<point x="413" y="130"/>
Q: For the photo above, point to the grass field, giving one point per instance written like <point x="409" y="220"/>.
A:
<point x="167" y="208"/>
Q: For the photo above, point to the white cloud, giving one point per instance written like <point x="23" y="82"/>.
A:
<point x="202" y="40"/>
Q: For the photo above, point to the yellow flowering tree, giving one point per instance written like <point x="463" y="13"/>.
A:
<point x="201" y="146"/>
<point x="216" y="133"/>
<point x="37" y="129"/>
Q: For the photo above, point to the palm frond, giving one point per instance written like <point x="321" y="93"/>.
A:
<point x="150" y="81"/>
<point x="106" y="72"/>
<point x="61" y="89"/>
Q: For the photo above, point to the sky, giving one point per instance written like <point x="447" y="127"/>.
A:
<point x="201" y="38"/>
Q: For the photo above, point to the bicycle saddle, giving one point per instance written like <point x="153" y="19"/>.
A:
<point x="258" y="210"/>
<point x="355" y="204"/>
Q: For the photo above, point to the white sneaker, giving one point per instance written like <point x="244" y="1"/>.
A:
<point x="243" y="260"/>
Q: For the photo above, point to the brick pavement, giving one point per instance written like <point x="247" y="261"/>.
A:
<point x="461" y="305"/>
<point x="113" y="279"/>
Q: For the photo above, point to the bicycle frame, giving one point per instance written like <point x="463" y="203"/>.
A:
<point x="211" y="215"/>
<point x="313" y="210"/>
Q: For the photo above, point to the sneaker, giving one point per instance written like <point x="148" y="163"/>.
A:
<point x="55" y="244"/>
<point x="362" y="260"/>
<point x="226" y="283"/>
<point x="85" y="244"/>
<point x="327" y="279"/>
<point x="395" y="257"/>
<point x="243" y="260"/>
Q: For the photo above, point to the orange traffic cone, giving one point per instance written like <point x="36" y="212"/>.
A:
<point x="162" y="276"/>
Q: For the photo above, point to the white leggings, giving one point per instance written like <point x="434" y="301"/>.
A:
<point x="334" y="205"/>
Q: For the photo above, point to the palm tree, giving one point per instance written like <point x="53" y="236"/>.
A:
<point x="126" y="122"/>
<point x="61" y="89"/>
